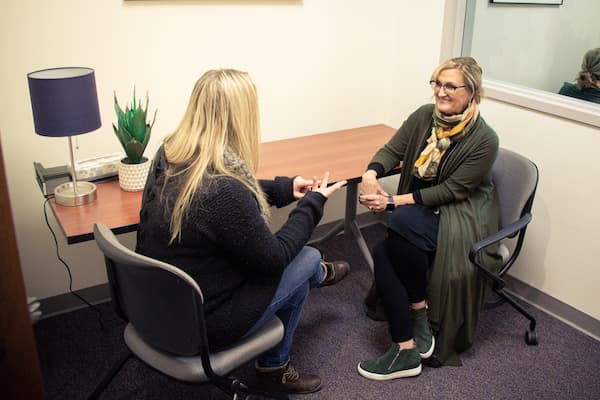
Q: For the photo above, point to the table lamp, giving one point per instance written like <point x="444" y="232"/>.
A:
<point x="65" y="103"/>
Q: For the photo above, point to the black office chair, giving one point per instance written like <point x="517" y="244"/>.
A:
<point x="516" y="179"/>
<point x="163" y="307"/>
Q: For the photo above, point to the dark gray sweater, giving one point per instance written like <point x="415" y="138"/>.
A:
<point x="226" y="244"/>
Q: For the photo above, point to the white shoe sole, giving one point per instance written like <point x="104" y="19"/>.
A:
<point x="430" y="351"/>
<point x="393" y="375"/>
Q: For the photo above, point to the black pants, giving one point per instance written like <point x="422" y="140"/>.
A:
<point x="401" y="279"/>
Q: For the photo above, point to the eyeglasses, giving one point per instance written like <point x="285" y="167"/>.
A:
<point x="448" y="87"/>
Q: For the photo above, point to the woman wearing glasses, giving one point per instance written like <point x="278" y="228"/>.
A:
<point x="445" y="202"/>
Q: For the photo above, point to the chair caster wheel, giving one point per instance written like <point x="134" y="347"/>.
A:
<point x="531" y="338"/>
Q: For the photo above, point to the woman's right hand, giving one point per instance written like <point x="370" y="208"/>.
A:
<point x="369" y="184"/>
<point x="321" y="186"/>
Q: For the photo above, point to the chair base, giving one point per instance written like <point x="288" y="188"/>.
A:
<point x="239" y="390"/>
<point x="494" y="301"/>
<point x="530" y="334"/>
<point x="231" y="386"/>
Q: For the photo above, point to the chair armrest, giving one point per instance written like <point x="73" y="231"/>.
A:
<point x="506" y="232"/>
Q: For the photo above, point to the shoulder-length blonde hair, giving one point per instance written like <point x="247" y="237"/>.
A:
<point x="471" y="71"/>
<point x="222" y="114"/>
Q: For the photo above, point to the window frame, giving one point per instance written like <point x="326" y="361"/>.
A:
<point x="550" y="103"/>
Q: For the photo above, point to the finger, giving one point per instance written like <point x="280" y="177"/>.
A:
<point x="369" y="197"/>
<point x="325" y="179"/>
<point x="302" y="181"/>
<point x="315" y="183"/>
<point x="339" y="184"/>
<point x="333" y="188"/>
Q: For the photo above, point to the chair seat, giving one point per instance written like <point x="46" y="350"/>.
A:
<point x="190" y="369"/>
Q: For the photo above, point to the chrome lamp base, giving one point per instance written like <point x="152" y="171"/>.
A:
<point x="75" y="193"/>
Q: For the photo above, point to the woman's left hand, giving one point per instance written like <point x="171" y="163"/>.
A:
<point x="376" y="202"/>
<point x="302" y="186"/>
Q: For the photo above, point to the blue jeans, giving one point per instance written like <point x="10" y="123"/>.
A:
<point x="303" y="273"/>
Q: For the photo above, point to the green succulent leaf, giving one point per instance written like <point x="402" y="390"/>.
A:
<point x="134" y="151"/>
<point x="121" y="135"/>
<point x="138" y="125"/>
<point x="132" y="129"/>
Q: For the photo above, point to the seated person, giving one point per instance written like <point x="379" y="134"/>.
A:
<point x="587" y="85"/>
<point x="204" y="211"/>
<point x="445" y="202"/>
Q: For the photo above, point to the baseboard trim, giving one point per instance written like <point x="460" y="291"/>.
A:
<point x="67" y="302"/>
<point x="558" y="309"/>
<point x="581" y="321"/>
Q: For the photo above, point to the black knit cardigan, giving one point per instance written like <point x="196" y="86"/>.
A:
<point x="226" y="244"/>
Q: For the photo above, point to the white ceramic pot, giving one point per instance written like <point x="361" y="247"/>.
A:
<point x="132" y="177"/>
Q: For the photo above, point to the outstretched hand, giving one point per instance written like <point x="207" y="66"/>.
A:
<point x="321" y="185"/>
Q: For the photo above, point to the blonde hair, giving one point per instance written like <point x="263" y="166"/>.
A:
<point x="471" y="71"/>
<point x="222" y="115"/>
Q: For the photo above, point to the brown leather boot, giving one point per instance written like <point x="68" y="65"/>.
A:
<point x="335" y="271"/>
<point x="286" y="379"/>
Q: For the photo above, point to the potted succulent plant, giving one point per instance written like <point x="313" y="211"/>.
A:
<point x="133" y="132"/>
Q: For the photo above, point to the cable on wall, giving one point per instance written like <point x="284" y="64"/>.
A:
<point x="69" y="270"/>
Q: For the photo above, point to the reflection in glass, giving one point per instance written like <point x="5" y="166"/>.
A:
<point x="537" y="46"/>
<point x="587" y="85"/>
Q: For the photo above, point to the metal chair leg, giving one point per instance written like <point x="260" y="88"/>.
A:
<point x="530" y="334"/>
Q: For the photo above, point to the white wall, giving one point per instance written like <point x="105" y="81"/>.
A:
<point x="559" y="253"/>
<point x="319" y="65"/>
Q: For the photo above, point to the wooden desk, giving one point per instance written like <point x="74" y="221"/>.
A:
<point x="344" y="153"/>
<point x="118" y="209"/>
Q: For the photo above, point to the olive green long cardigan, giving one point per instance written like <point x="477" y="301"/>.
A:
<point x="468" y="207"/>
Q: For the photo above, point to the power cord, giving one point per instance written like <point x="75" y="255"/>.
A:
<point x="69" y="270"/>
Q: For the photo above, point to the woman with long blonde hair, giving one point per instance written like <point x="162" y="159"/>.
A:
<point x="204" y="211"/>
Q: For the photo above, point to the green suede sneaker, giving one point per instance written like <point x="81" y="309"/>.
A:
<point x="422" y="333"/>
<point x="394" y="364"/>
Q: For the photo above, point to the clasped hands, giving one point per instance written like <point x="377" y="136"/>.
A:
<point x="372" y="194"/>
<point x="375" y="198"/>
<point x="376" y="202"/>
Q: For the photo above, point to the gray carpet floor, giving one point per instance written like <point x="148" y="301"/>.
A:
<point x="333" y="336"/>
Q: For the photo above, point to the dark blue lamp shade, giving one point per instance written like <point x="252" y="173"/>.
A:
<point x="64" y="101"/>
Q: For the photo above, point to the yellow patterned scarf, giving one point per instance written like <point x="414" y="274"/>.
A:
<point x="444" y="131"/>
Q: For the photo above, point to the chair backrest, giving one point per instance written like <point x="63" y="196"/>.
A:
<point x="162" y="302"/>
<point x="516" y="179"/>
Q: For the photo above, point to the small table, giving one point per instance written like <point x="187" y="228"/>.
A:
<point x="345" y="153"/>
